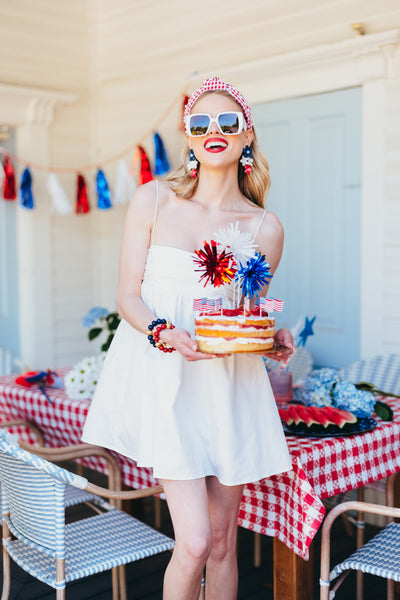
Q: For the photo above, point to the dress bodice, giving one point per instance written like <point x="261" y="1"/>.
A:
<point x="172" y="269"/>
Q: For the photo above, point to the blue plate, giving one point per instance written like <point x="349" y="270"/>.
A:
<point x="362" y="425"/>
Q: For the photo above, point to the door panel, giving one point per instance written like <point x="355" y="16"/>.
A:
<point x="313" y="146"/>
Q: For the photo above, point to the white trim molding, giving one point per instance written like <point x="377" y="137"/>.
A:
<point x="31" y="111"/>
<point x="365" y="61"/>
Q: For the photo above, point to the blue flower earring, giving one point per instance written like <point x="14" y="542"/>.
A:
<point x="193" y="163"/>
<point x="247" y="159"/>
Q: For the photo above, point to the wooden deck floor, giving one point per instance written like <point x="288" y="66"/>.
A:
<point x="144" y="578"/>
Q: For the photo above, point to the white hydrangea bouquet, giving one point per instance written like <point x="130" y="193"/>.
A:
<point x="80" y="382"/>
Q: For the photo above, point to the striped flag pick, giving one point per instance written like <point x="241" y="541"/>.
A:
<point x="218" y="304"/>
<point x="211" y="304"/>
<point x="269" y="304"/>
<point x="278" y="305"/>
<point x="197" y="304"/>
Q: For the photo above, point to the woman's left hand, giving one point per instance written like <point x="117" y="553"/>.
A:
<point x="283" y="345"/>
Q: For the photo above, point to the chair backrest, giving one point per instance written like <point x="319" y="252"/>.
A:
<point x="32" y="492"/>
<point x="382" y="371"/>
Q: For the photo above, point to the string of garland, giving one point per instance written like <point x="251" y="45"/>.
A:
<point x="125" y="183"/>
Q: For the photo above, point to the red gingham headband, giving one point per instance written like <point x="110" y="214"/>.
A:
<point x="215" y="83"/>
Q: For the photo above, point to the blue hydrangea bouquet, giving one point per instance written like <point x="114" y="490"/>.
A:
<point x="325" y="387"/>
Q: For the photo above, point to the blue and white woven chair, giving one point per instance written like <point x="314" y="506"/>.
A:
<point x="382" y="371"/>
<point x="36" y="537"/>
<point x="379" y="556"/>
<point x="73" y="496"/>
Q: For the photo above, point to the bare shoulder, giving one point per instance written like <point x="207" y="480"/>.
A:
<point x="272" y="228"/>
<point x="144" y="199"/>
<point x="270" y="239"/>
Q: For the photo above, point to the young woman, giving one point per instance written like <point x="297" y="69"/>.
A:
<point x="207" y="425"/>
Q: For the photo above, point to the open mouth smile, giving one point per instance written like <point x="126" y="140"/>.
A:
<point x="215" y="145"/>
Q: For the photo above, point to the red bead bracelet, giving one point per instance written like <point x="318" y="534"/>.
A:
<point x="153" y="334"/>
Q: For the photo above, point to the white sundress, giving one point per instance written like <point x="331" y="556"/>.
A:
<point x="185" y="419"/>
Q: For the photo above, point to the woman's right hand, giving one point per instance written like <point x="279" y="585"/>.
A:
<point x="181" y="340"/>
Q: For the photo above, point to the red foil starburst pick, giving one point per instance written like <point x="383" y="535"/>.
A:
<point x="218" y="268"/>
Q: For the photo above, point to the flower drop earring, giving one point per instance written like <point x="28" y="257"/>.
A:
<point x="247" y="159"/>
<point x="193" y="163"/>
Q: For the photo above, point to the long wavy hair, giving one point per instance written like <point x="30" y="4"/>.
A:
<point x="254" y="185"/>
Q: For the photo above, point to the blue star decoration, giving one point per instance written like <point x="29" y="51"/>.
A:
<point x="307" y="331"/>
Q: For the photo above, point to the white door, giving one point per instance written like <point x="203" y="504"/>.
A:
<point x="313" y="145"/>
<point x="9" y="320"/>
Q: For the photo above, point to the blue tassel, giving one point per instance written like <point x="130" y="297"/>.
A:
<point x="161" y="164"/>
<point x="27" y="200"/>
<point x="103" y="191"/>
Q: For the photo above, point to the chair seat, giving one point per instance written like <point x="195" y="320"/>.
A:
<point x="92" y="542"/>
<point x="379" y="556"/>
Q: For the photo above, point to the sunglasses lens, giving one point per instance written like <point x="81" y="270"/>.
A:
<point x="229" y="123"/>
<point x="199" y="124"/>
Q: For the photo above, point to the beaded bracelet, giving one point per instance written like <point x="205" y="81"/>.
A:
<point x="153" y="334"/>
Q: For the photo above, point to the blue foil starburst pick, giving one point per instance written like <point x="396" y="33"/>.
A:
<point x="254" y="275"/>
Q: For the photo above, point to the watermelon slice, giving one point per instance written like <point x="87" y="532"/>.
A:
<point x="320" y="416"/>
<point x="307" y="416"/>
<point x="284" y="415"/>
<point x="292" y="410"/>
<point x="338" y="416"/>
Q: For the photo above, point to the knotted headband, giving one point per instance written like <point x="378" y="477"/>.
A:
<point x="215" y="83"/>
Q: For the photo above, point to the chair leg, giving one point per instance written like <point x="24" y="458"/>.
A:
<point x="122" y="583"/>
<point x="60" y="577"/>
<point x="115" y="583"/>
<point x="257" y="549"/>
<point x="202" y="590"/>
<point x="157" y="512"/>
<point x="6" y="575"/>
<point x="360" y="541"/>
<point x="390" y="589"/>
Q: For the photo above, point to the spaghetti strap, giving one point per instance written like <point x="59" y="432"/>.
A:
<point x="155" y="216"/>
<point x="259" y="224"/>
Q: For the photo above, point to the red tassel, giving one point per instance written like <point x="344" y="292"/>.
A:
<point x="9" y="188"/>
<point x="181" y="123"/>
<point x="145" y="173"/>
<point x="82" y="203"/>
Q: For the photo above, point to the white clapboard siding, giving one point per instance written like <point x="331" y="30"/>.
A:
<point x="44" y="44"/>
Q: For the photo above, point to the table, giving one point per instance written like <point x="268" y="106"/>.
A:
<point x="286" y="506"/>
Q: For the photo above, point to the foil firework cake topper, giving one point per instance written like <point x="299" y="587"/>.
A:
<point x="254" y="275"/>
<point x="217" y="267"/>
<point x="230" y="259"/>
<point x="240" y="244"/>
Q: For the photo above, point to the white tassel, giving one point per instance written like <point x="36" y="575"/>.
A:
<point x="125" y="184"/>
<point x="59" y="200"/>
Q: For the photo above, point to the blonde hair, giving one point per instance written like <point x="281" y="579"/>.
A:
<point x="254" y="185"/>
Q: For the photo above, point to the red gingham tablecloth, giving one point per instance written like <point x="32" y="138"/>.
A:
<point x="285" y="506"/>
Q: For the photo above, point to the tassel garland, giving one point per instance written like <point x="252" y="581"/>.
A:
<point x="82" y="203"/>
<point x="59" y="200"/>
<point x="9" y="187"/>
<point x="125" y="184"/>
<point x="103" y="191"/>
<point x="145" y="173"/>
<point x="161" y="164"/>
<point x="27" y="200"/>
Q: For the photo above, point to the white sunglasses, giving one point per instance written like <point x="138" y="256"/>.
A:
<point x="228" y="123"/>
